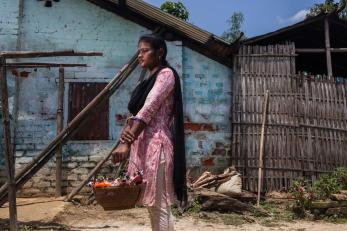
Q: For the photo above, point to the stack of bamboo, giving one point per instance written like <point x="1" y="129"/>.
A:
<point x="209" y="180"/>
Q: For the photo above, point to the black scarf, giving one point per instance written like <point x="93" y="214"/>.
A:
<point x="137" y="100"/>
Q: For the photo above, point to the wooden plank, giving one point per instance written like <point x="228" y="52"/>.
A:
<point x="320" y="50"/>
<point x="44" y="65"/>
<point x="37" y="54"/>
<point x="9" y="157"/>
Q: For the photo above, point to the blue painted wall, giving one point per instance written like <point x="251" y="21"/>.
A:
<point x="82" y="26"/>
<point x="207" y="100"/>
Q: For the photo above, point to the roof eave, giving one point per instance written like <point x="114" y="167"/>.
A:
<point x="151" y="17"/>
<point x="285" y="29"/>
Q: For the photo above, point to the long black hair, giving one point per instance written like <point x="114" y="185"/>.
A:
<point x="137" y="101"/>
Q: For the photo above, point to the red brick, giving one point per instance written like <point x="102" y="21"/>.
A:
<point x="208" y="162"/>
<point x="15" y="72"/>
<point x="24" y="74"/>
<point x="120" y="118"/>
<point x="198" y="127"/>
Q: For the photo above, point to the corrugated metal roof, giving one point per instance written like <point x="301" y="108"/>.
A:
<point x="150" y="16"/>
<point x="188" y="29"/>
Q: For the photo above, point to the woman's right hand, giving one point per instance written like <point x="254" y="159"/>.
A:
<point x="120" y="153"/>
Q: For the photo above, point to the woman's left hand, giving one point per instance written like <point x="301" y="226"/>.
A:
<point x="127" y="137"/>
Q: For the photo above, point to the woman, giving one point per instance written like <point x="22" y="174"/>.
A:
<point x="156" y="108"/>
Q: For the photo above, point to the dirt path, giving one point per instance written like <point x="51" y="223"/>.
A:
<point x="93" y="217"/>
<point x="54" y="214"/>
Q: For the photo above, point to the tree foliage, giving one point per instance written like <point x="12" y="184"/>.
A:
<point x="327" y="7"/>
<point x="235" y="22"/>
<point x="176" y="9"/>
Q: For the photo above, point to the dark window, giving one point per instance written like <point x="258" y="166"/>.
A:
<point x="96" y="126"/>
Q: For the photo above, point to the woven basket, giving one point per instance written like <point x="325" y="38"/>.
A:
<point x="117" y="197"/>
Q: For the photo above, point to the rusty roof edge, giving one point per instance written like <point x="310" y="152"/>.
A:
<point x="149" y="10"/>
<point x="134" y="4"/>
<point x="285" y="29"/>
<point x="172" y="23"/>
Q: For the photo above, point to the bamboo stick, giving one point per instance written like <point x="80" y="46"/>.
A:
<point x="320" y="50"/>
<point x="25" y="174"/>
<point x="36" y="54"/>
<point x="261" y="148"/>
<point x="46" y="65"/>
<point x="60" y="126"/>
<point x="9" y="158"/>
<point x="90" y="175"/>
<point x="327" y="46"/>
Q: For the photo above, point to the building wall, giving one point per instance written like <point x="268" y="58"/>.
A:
<point x="207" y="100"/>
<point x="82" y="26"/>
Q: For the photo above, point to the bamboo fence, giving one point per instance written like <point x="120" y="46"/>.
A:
<point x="306" y="121"/>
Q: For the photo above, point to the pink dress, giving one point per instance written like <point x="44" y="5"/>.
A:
<point x="157" y="113"/>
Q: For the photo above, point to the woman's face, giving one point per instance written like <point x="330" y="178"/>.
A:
<point x="148" y="57"/>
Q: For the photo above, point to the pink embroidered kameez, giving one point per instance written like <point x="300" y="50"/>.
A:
<point x="157" y="113"/>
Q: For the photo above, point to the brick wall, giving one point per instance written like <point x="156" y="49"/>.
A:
<point x="9" y="11"/>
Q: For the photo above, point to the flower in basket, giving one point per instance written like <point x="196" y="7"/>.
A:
<point x="137" y="178"/>
<point x="102" y="184"/>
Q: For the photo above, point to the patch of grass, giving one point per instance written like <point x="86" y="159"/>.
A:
<point x="33" y="227"/>
<point x="26" y="228"/>
<point x="225" y="218"/>
<point x="336" y="219"/>
<point x="232" y="219"/>
<point x="194" y="210"/>
<point x="269" y="222"/>
<point x="278" y="211"/>
<point x="271" y="214"/>
<point x="195" y="207"/>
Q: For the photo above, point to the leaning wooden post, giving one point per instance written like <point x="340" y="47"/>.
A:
<point x="9" y="158"/>
<point x="60" y="126"/>
<point x="327" y="46"/>
<point x="261" y="148"/>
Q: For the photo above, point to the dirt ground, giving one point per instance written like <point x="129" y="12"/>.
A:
<point x="55" y="214"/>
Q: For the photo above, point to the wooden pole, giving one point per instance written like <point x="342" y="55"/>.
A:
<point x="320" y="50"/>
<point x="327" y="46"/>
<point x="46" y="65"/>
<point x="9" y="158"/>
<point x="60" y="126"/>
<point x="29" y="170"/>
<point x="37" y="54"/>
<point x="90" y="175"/>
<point x="261" y="149"/>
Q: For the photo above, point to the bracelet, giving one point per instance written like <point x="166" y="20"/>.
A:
<point x="137" y="119"/>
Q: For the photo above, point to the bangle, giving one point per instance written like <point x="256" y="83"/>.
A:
<point x="138" y="120"/>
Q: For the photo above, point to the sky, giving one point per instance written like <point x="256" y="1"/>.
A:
<point x="261" y="16"/>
